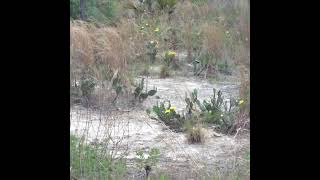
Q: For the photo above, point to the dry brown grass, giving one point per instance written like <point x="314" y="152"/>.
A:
<point x="97" y="48"/>
<point x="195" y="135"/>
<point x="81" y="43"/>
<point x="213" y="39"/>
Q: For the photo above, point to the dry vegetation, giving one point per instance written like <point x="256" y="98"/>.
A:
<point x="106" y="56"/>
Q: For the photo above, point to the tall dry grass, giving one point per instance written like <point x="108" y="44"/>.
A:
<point x="97" y="48"/>
<point x="213" y="39"/>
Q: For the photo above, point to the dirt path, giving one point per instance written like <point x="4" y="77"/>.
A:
<point x="134" y="130"/>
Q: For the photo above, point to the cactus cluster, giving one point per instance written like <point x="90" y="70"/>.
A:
<point x="168" y="115"/>
<point x="140" y="95"/>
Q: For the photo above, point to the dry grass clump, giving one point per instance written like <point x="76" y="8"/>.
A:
<point x="195" y="135"/>
<point x="81" y="43"/>
<point x="100" y="49"/>
<point x="213" y="39"/>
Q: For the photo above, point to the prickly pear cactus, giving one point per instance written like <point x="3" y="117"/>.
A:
<point x="138" y="92"/>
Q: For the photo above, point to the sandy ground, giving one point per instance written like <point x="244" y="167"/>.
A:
<point x="134" y="130"/>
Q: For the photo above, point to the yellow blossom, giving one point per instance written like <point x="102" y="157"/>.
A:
<point x="173" y="108"/>
<point x="171" y="53"/>
<point x="156" y="30"/>
<point x="142" y="27"/>
<point x="241" y="102"/>
<point x="151" y="42"/>
<point x="167" y="111"/>
<point x="147" y="25"/>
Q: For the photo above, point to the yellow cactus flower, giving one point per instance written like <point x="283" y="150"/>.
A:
<point x="156" y="30"/>
<point x="142" y="27"/>
<point x="171" y="53"/>
<point x="151" y="42"/>
<point x="167" y="111"/>
<point x="147" y="25"/>
<point x="173" y="108"/>
<point x="241" y="102"/>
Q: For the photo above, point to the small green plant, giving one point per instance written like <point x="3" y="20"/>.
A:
<point x="204" y="63"/>
<point x="140" y="95"/>
<point x="212" y="110"/>
<point x="89" y="162"/>
<point x="118" y="86"/>
<point x="149" y="161"/>
<point x="169" y="57"/>
<point x="168" y="115"/>
<point x="192" y="101"/>
<point x="146" y="70"/>
<point x="87" y="86"/>
<point x="164" y="71"/>
<point x="152" y="51"/>
<point x="224" y="68"/>
<point x="163" y="4"/>
<point x="168" y="60"/>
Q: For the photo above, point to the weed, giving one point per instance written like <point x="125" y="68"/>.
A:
<point x="88" y="162"/>
<point x="149" y="161"/>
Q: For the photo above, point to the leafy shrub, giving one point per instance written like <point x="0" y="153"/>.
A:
<point x="148" y="162"/>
